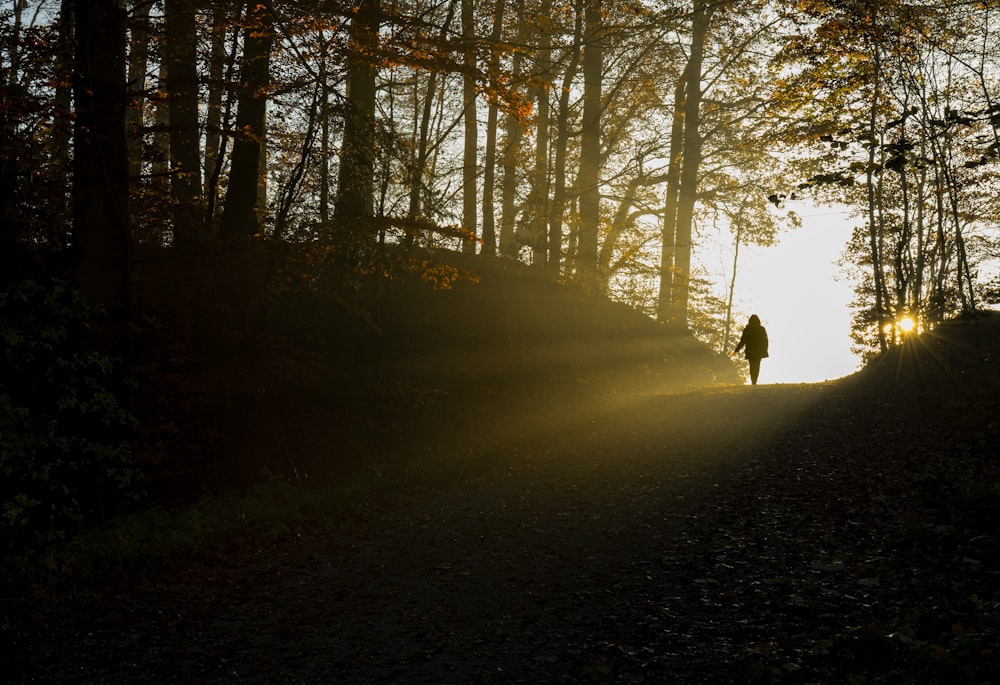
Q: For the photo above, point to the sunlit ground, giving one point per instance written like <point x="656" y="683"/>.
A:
<point x="604" y="424"/>
<point x="805" y="369"/>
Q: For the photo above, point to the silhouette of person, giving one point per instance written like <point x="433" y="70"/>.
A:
<point x="754" y="340"/>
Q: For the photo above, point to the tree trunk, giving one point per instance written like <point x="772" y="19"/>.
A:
<point x="138" y="65"/>
<point x="213" y="111"/>
<point x="260" y="206"/>
<point x="324" y="142"/>
<point x="490" y="154"/>
<point x="239" y="217"/>
<point x="920" y="260"/>
<point x="509" y="159"/>
<point x="220" y="96"/>
<point x="590" y="146"/>
<point x="562" y="143"/>
<point x="873" y="223"/>
<point x="181" y="56"/>
<point x="356" y="183"/>
<point x="62" y="130"/>
<point x="668" y="249"/>
<point x="737" y="223"/>
<point x="690" y="165"/>
<point x="470" y="156"/>
<point x="101" y="221"/>
<point x="540" y="184"/>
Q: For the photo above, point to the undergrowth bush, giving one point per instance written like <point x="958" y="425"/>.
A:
<point x="64" y="434"/>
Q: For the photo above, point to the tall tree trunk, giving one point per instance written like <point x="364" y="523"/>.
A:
<point x="9" y="238"/>
<point x="220" y="107"/>
<point x="324" y="142"/>
<point x="356" y="183"/>
<point x="260" y="206"/>
<point x="668" y="249"/>
<point x="540" y="185"/>
<point x="216" y="92"/>
<point x="62" y="129"/>
<point x="239" y="217"/>
<point x="514" y="132"/>
<point x="590" y="146"/>
<point x="138" y="65"/>
<point x="690" y="165"/>
<point x="490" y="154"/>
<point x="941" y="242"/>
<point x="562" y="142"/>
<point x="470" y="156"/>
<point x="419" y="162"/>
<point x="920" y="261"/>
<point x="873" y="222"/>
<point x="101" y="221"/>
<point x="181" y="56"/>
<point x="737" y="223"/>
<point x="963" y="276"/>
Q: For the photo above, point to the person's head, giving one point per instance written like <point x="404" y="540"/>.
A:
<point x="754" y="320"/>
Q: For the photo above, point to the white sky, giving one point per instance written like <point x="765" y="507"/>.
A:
<point x="797" y="290"/>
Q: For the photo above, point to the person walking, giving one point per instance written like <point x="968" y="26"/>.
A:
<point x="754" y="343"/>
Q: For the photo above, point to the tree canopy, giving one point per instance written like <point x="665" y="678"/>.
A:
<point x="603" y="134"/>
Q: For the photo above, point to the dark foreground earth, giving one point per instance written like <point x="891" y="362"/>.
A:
<point x="835" y="533"/>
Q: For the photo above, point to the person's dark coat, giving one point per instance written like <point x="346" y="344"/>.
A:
<point x="753" y="342"/>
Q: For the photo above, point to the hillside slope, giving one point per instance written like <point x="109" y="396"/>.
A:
<point x="957" y="357"/>
<point x="502" y="321"/>
<point x="446" y="319"/>
<point x="269" y="383"/>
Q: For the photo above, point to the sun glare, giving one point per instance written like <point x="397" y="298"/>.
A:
<point x="906" y="324"/>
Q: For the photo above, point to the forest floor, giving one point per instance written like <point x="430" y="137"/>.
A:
<point x="843" y="532"/>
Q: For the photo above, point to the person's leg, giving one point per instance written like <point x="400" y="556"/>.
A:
<point x="754" y="370"/>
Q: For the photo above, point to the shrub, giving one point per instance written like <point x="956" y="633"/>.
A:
<point x="64" y="433"/>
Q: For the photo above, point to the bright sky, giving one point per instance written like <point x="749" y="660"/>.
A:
<point x="797" y="290"/>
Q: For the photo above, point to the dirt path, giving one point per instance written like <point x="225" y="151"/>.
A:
<point x="734" y="535"/>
